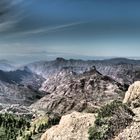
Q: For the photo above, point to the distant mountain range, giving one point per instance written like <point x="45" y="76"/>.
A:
<point x="29" y="83"/>
<point x="122" y="70"/>
<point x="6" y="65"/>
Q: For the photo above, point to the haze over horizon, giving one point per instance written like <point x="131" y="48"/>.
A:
<point x="82" y="29"/>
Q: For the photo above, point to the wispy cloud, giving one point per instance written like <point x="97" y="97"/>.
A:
<point x="6" y="25"/>
<point x="10" y="13"/>
<point x="48" y="30"/>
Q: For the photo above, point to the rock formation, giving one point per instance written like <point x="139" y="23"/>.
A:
<point x="133" y="93"/>
<point x="73" y="126"/>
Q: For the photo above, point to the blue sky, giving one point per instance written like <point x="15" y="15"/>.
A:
<point x="44" y="29"/>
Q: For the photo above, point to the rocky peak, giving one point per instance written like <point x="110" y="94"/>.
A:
<point x="60" y="59"/>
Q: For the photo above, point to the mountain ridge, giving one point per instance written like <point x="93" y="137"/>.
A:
<point x="69" y="91"/>
<point x="123" y="70"/>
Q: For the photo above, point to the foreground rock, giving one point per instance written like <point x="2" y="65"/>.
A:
<point x="68" y="91"/>
<point x="71" y="127"/>
<point x="132" y="96"/>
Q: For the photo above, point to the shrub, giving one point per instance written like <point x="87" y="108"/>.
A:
<point x="111" y="119"/>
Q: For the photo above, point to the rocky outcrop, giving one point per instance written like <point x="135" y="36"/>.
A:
<point x="68" y="91"/>
<point x="73" y="126"/>
<point x="133" y="93"/>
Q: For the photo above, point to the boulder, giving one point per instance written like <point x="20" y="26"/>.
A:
<point x="133" y="93"/>
<point x="73" y="126"/>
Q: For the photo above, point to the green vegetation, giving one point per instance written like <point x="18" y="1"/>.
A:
<point x="39" y="126"/>
<point x="111" y="119"/>
<point x="11" y="126"/>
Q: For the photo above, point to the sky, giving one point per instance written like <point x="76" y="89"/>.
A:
<point x="33" y="30"/>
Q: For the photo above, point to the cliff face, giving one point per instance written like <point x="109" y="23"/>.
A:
<point x="72" y="126"/>
<point x="68" y="91"/>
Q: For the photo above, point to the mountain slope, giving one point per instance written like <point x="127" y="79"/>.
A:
<point x="20" y="87"/>
<point x="6" y="65"/>
<point x="69" y="91"/>
<point x="22" y="77"/>
<point x="14" y="94"/>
